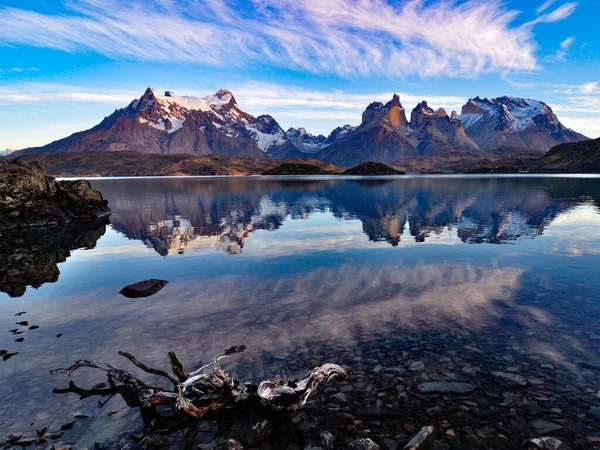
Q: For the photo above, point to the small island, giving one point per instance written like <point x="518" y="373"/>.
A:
<point x="372" y="168"/>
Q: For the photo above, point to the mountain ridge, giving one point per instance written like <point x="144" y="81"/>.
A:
<point x="216" y="125"/>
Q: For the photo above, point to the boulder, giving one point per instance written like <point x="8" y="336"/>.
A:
<point x="31" y="198"/>
<point x="144" y="288"/>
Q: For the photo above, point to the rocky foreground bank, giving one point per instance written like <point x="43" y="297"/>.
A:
<point x="31" y="198"/>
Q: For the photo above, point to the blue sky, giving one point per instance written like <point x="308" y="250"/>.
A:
<point x="65" y="64"/>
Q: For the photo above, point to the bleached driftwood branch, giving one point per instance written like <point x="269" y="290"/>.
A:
<point x="209" y="388"/>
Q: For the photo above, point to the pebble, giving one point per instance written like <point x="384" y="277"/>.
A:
<point x="416" y="366"/>
<point x="363" y="444"/>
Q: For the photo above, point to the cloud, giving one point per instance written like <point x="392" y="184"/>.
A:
<point x="567" y="43"/>
<point x="346" y="37"/>
<point x="30" y="92"/>
<point x="256" y="97"/>
<point x="544" y="6"/>
<point x="560" y="13"/>
<point x="561" y="54"/>
<point x="589" y="126"/>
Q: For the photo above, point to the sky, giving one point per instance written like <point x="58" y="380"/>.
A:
<point x="66" y="64"/>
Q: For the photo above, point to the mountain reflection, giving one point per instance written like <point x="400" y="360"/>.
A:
<point x="31" y="257"/>
<point x="178" y="215"/>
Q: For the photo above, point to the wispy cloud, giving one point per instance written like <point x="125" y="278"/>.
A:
<point x="346" y="37"/>
<point x="561" y="54"/>
<point x="560" y="13"/>
<point x="256" y="97"/>
<point x="31" y="92"/>
<point x="544" y="6"/>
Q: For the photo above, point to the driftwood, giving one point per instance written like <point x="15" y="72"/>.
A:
<point x="195" y="394"/>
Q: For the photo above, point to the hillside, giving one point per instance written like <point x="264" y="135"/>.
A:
<point x="122" y="164"/>
<point x="574" y="157"/>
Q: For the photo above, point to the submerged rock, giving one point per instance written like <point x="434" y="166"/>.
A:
<point x="144" y="288"/>
<point x="446" y="387"/>
<point x="546" y="443"/>
<point x="511" y="378"/>
<point x="363" y="444"/>
<point x="420" y="438"/>
<point x="542" y="426"/>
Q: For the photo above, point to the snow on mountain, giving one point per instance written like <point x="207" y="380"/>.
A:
<point x="309" y="143"/>
<point x="169" y="123"/>
<point x="519" y="122"/>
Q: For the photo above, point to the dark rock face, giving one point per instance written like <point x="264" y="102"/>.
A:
<point x="144" y="288"/>
<point x="30" y="257"/>
<point x="30" y="198"/>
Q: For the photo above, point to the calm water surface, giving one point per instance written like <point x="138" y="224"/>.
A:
<point x="299" y="270"/>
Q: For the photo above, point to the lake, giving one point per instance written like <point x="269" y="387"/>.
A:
<point x="470" y="276"/>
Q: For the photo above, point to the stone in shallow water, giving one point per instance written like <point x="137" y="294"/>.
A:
<point x="421" y="438"/>
<point x="510" y="378"/>
<point x="541" y="426"/>
<point x="416" y="366"/>
<point x="446" y="387"/>
<point x="595" y="412"/>
<point x="545" y="443"/>
<point x="363" y="444"/>
<point x="144" y="288"/>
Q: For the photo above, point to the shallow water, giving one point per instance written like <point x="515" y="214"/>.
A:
<point x="299" y="270"/>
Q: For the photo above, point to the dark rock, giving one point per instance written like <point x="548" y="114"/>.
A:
<point x="595" y="412"/>
<point x="144" y="288"/>
<point x="446" y="387"/>
<point x="510" y="378"/>
<point x="30" y="198"/>
<point x="546" y="443"/>
<point x="542" y="426"/>
<point x="13" y="437"/>
<point x="363" y="444"/>
<point x="327" y="440"/>
<point x="251" y="433"/>
<point x="206" y="431"/>
<point x="67" y="426"/>
<point x="425" y="435"/>
<point x="7" y="356"/>
<point x="221" y="444"/>
<point x="152" y="442"/>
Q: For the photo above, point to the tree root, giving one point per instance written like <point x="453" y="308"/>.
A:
<point x="207" y="389"/>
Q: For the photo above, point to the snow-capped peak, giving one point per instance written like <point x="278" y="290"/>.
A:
<point x="515" y="113"/>
<point x="209" y="103"/>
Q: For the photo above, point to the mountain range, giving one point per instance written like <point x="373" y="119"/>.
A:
<point x="216" y="125"/>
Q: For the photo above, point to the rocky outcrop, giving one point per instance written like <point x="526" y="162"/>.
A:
<point x="31" y="198"/>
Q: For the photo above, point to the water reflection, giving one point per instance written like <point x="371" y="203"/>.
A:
<point x="352" y="271"/>
<point x="175" y="216"/>
<point x="31" y="257"/>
